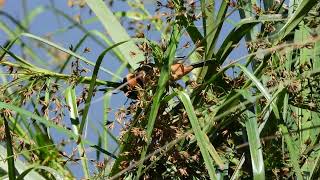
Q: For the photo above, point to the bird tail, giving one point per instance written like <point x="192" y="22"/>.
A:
<point x="202" y="63"/>
<point x="110" y="85"/>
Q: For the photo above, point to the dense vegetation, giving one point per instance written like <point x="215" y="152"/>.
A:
<point x="255" y="116"/>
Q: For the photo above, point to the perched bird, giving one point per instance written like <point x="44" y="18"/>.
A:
<point x="147" y="73"/>
<point x="178" y="70"/>
<point x="138" y="79"/>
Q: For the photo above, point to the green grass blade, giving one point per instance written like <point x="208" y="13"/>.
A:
<point x="116" y="51"/>
<point x="208" y="14"/>
<point x="42" y="120"/>
<point x="255" y="146"/>
<point x="104" y="151"/>
<point x="164" y="78"/>
<point x="7" y="30"/>
<point x="13" y="37"/>
<point x="93" y="84"/>
<point x="273" y="102"/>
<point x="22" y="61"/>
<point x="253" y="78"/>
<point x="106" y="104"/>
<point x="268" y="4"/>
<point x="116" y="32"/>
<point x="66" y="51"/>
<point x="19" y="165"/>
<point x="11" y="167"/>
<point x="316" y="55"/>
<point x="37" y="118"/>
<point x="31" y="15"/>
<point x="13" y="20"/>
<point x="295" y="19"/>
<point x="145" y="15"/>
<point x="247" y="11"/>
<point x="214" y="154"/>
<point x="262" y="89"/>
<point x="71" y="100"/>
<point x="233" y="38"/>
<point x="74" y="24"/>
<point x="200" y="136"/>
<point x="293" y="151"/>
<point x="74" y="50"/>
<point x="189" y="25"/>
<point x="236" y="174"/>
<point x="55" y="173"/>
<point x="315" y="172"/>
<point x="215" y="28"/>
<point x="92" y="34"/>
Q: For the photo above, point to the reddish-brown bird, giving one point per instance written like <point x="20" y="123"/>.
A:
<point x="147" y="72"/>
<point x="142" y="74"/>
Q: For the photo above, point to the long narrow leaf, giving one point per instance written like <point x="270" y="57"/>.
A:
<point x="11" y="167"/>
<point x="255" y="146"/>
<point x="74" y="117"/>
<point x="20" y="166"/>
<point x="164" y="78"/>
<point x="93" y="83"/>
<point x="234" y="37"/>
<point x="200" y="136"/>
<point x="66" y="51"/>
<point x="55" y="173"/>
<point x="262" y="89"/>
<point x="293" y="151"/>
<point x="51" y="124"/>
<point x="116" y="32"/>
<point x="215" y="28"/>
<point x="297" y="17"/>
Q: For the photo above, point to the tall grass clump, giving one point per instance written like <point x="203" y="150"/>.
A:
<point x="246" y="116"/>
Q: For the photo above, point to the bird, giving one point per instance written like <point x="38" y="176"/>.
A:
<point x="178" y="70"/>
<point x="147" y="73"/>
